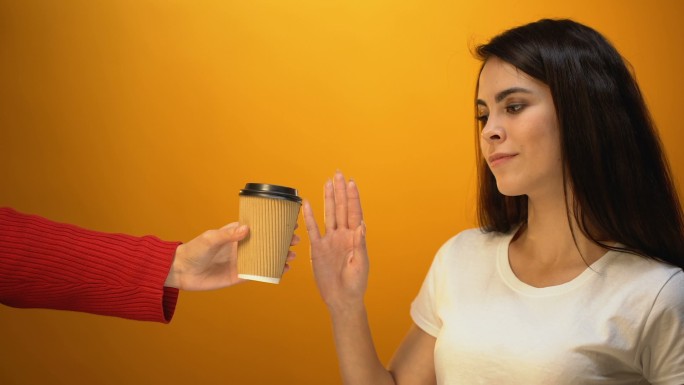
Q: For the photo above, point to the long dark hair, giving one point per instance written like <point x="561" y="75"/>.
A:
<point x="621" y="185"/>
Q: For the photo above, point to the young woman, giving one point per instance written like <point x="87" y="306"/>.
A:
<point x="575" y="274"/>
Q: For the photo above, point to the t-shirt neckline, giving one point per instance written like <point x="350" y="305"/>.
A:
<point x="594" y="271"/>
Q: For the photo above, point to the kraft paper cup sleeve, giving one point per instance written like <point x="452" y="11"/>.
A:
<point x="271" y="213"/>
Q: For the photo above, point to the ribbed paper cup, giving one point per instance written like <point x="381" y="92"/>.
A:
<point x="271" y="213"/>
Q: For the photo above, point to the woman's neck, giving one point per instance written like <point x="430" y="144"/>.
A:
<point x="545" y="252"/>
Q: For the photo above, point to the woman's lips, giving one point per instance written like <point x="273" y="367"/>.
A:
<point x="499" y="158"/>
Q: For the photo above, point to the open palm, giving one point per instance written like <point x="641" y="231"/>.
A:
<point x="339" y="258"/>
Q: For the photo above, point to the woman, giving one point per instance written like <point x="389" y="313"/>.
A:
<point x="575" y="275"/>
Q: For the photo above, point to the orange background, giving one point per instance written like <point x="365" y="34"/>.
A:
<point x="147" y="117"/>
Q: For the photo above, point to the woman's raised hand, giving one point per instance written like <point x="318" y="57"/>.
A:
<point x="339" y="257"/>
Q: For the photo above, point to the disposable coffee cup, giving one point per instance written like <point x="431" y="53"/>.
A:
<point x="271" y="213"/>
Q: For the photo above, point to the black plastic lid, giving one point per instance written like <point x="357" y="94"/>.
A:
<point x="270" y="191"/>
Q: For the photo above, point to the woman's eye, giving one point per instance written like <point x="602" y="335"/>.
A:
<point x="514" y="108"/>
<point x="482" y="119"/>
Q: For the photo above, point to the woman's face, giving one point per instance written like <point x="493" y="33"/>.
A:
<point x="520" y="138"/>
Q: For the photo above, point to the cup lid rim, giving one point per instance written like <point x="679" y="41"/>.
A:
<point x="270" y="191"/>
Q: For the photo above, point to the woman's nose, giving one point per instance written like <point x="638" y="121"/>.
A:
<point x="492" y="131"/>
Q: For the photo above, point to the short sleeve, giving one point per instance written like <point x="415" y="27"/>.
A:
<point x="662" y="355"/>
<point x="424" y="307"/>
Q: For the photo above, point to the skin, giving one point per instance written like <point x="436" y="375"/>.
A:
<point x="518" y="121"/>
<point x="340" y="263"/>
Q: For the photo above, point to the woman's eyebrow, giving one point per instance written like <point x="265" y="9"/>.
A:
<point x="502" y="95"/>
<point x="513" y="90"/>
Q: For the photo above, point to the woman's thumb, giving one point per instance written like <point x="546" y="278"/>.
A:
<point x="360" y="240"/>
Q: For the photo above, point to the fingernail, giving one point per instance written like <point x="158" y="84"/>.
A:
<point x="241" y="229"/>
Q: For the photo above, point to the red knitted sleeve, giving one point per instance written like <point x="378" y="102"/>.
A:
<point x="44" y="264"/>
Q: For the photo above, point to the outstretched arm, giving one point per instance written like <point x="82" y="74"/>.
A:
<point x="46" y="264"/>
<point x="340" y="264"/>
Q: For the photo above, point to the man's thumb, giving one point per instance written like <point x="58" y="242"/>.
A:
<point x="235" y="232"/>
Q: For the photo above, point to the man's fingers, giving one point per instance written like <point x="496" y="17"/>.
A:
<point x="295" y="240"/>
<point x="290" y="256"/>
<point x="231" y="232"/>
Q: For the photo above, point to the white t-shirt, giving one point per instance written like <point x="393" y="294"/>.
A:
<point x="619" y="322"/>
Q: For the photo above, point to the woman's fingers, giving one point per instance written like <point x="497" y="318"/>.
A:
<point x="340" y="200"/>
<point x="329" y="206"/>
<point x="342" y="206"/>
<point x="354" y="205"/>
<point x="311" y="226"/>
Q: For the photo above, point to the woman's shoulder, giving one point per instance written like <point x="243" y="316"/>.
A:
<point x="646" y="276"/>
<point x="478" y="237"/>
<point x="630" y="262"/>
<point x="475" y="240"/>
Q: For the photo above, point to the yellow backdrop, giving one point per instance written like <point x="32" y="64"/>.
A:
<point x="147" y="117"/>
